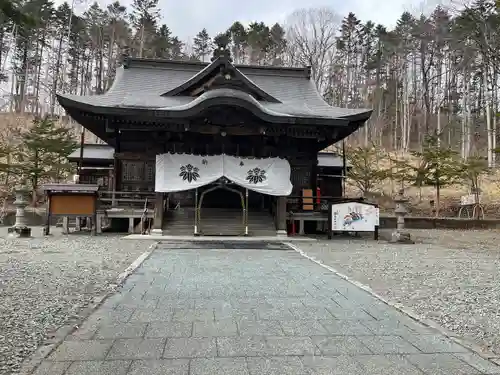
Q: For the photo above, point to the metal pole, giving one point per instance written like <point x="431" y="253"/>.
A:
<point x="344" y="169"/>
<point x="246" y="212"/>
<point x="196" y="212"/>
<point x="82" y="142"/>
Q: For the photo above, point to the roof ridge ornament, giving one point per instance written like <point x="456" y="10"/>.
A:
<point x="221" y="51"/>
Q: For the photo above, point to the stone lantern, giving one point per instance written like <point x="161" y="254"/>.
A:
<point x="400" y="235"/>
<point x="20" y="227"/>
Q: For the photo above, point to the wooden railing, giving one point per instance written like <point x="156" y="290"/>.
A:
<point x="126" y="199"/>
<point x="320" y="204"/>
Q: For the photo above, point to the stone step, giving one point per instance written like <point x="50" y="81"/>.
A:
<point x="220" y="222"/>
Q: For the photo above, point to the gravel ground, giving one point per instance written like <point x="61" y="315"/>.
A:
<point x="451" y="277"/>
<point x="45" y="282"/>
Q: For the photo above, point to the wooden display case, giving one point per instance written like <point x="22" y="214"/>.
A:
<point x="71" y="201"/>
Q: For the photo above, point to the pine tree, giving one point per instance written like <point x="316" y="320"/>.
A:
<point x="202" y="45"/>
<point x="42" y="154"/>
<point x="144" y="19"/>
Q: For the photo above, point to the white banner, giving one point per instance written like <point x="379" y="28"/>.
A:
<point x="181" y="172"/>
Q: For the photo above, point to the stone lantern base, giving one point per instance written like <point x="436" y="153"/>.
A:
<point x="401" y="237"/>
<point x="19" y="232"/>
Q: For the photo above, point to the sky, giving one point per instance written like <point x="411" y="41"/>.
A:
<point x="186" y="18"/>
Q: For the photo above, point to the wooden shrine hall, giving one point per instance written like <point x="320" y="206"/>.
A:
<point x="219" y="149"/>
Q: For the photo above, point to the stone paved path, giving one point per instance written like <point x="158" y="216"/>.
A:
<point x="193" y="310"/>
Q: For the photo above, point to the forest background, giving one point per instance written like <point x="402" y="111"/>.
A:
<point x="432" y="81"/>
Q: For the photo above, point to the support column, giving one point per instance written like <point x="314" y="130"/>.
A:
<point x="281" y="217"/>
<point x="98" y="223"/>
<point x="158" y="215"/>
<point x="65" y="225"/>
<point x="131" y="227"/>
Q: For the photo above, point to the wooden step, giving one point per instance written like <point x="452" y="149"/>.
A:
<point x="219" y="222"/>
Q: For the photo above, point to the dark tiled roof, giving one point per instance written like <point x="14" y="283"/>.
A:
<point x="71" y="187"/>
<point x="93" y="152"/>
<point x="105" y="152"/>
<point x="142" y="84"/>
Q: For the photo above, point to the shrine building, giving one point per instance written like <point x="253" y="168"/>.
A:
<point x="217" y="148"/>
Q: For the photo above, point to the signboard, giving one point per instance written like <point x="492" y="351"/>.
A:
<point x="354" y="217"/>
<point x="469" y="200"/>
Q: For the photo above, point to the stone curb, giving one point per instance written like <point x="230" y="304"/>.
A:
<point x="46" y="348"/>
<point x="487" y="355"/>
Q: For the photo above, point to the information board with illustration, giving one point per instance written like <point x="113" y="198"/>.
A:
<point x="354" y="217"/>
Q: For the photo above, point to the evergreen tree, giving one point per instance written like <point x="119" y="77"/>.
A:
<point x="202" y="45"/>
<point x="42" y="154"/>
<point x="144" y="18"/>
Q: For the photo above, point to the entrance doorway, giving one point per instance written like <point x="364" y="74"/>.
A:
<point x="221" y="210"/>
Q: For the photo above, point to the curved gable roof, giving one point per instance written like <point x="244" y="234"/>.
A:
<point x="143" y="84"/>
<point x="217" y="67"/>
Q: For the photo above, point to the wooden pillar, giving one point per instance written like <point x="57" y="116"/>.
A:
<point x="281" y="217"/>
<point x="158" y="215"/>
<point x="116" y="167"/>
<point x="131" y="227"/>
<point x="314" y="181"/>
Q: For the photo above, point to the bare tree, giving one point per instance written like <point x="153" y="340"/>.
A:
<point x="311" y="40"/>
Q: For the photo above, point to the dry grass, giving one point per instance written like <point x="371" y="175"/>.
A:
<point x="420" y="198"/>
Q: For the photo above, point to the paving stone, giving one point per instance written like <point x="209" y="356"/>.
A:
<point x="137" y="304"/>
<point x="303" y="328"/>
<point x="285" y="303"/>
<point x="237" y="314"/>
<point x="260" y="328"/>
<point x="85" y="332"/>
<point x="176" y="304"/>
<point x="435" y="344"/>
<point x="98" y="368"/>
<point x="111" y="316"/>
<point x="136" y="349"/>
<point x="52" y="368"/>
<point x="325" y="302"/>
<point x="209" y="303"/>
<point x="260" y="296"/>
<point x="388" y="328"/>
<point x="276" y="346"/>
<point x="151" y="315"/>
<point x="388" y="344"/>
<point x="479" y="363"/>
<point x="241" y="346"/>
<point x="313" y="313"/>
<point x="169" y="329"/>
<point x="219" y="366"/>
<point x="190" y="347"/>
<point x="123" y="331"/>
<point x="353" y="314"/>
<point x="81" y="350"/>
<point x="338" y="345"/>
<point x="345" y="327"/>
<point x="338" y="365"/>
<point x="441" y="364"/>
<point x="387" y="365"/>
<point x="191" y="315"/>
<point x="160" y="366"/>
<point x="250" y="303"/>
<point x="275" y="366"/>
<point x="274" y="313"/>
<point x="226" y="327"/>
